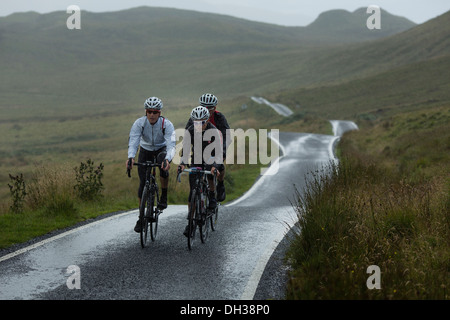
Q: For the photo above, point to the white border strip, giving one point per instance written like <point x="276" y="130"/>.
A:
<point x="62" y="235"/>
<point x="255" y="277"/>
<point x="253" y="282"/>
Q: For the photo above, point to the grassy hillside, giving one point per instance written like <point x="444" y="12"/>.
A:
<point x="329" y="26"/>
<point x="71" y="94"/>
<point x="176" y="53"/>
<point x="411" y="87"/>
<point x="411" y="74"/>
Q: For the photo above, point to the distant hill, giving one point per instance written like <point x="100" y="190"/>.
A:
<point x="423" y="42"/>
<point x="119" y="57"/>
<point x="402" y="73"/>
<point x="407" y="88"/>
<point x="345" y="26"/>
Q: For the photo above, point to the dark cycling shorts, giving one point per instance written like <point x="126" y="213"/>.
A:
<point x="145" y="155"/>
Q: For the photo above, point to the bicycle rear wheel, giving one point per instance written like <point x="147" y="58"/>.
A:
<point x="214" y="217"/>
<point x="192" y="223"/>
<point x="143" y="217"/>
<point x="204" y="225"/>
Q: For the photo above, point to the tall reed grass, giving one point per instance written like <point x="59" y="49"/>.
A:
<point x="52" y="190"/>
<point x="356" y="214"/>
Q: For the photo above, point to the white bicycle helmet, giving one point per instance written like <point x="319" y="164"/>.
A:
<point x="153" y="103"/>
<point x="199" y="113"/>
<point x="208" y="100"/>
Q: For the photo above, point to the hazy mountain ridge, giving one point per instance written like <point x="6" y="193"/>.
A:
<point x="345" y="26"/>
<point x="119" y="56"/>
<point x="331" y="23"/>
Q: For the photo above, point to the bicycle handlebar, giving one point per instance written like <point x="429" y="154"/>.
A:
<point x="147" y="164"/>
<point x="144" y="164"/>
<point x="194" y="170"/>
<point x="197" y="170"/>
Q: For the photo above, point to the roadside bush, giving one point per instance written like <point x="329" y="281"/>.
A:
<point x="18" y="193"/>
<point x="89" y="184"/>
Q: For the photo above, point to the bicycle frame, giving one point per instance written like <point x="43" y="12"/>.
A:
<point x="202" y="214"/>
<point x="150" y="177"/>
<point x="201" y="180"/>
<point x="148" y="211"/>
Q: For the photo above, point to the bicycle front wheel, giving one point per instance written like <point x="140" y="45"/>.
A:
<point x="153" y="217"/>
<point x="143" y="217"/>
<point x="192" y="223"/>
<point x="204" y="222"/>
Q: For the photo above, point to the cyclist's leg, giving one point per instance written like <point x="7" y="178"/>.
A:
<point x="141" y="172"/>
<point x="211" y="193"/>
<point x="191" y="186"/>
<point x="212" y="187"/>
<point x="164" y="178"/>
<point x="143" y="154"/>
<point x="221" y="176"/>
<point x="220" y="185"/>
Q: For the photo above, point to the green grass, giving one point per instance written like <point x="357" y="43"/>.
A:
<point x="18" y="228"/>
<point x="52" y="203"/>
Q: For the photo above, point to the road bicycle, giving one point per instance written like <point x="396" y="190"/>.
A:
<point x="199" y="214"/>
<point x="149" y="210"/>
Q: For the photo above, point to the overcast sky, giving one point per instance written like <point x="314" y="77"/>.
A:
<point x="283" y="12"/>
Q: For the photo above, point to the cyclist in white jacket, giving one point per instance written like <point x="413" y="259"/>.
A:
<point x="155" y="135"/>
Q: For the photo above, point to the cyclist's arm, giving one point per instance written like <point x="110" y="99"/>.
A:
<point x="186" y="150"/>
<point x="216" y="160"/>
<point x="189" y="123"/>
<point x="134" y="138"/>
<point x="224" y="127"/>
<point x="133" y="142"/>
<point x="170" y="138"/>
<point x="219" y="158"/>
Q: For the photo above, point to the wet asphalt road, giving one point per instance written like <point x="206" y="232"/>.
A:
<point x="230" y="265"/>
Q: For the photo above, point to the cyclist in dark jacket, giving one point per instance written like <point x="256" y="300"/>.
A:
<point x="218" y="119"/>
<point x="208" y="155"/>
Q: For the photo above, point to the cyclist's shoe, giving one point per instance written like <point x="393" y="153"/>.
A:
<point x="212" y="203"/>
<point x="162" y="203"/>
<point x="186" y="231"/>
<point x="221" y="192"/>
<point x="137" y="227"/>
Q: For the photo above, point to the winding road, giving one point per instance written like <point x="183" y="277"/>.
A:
<point x="230" y="266"/>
